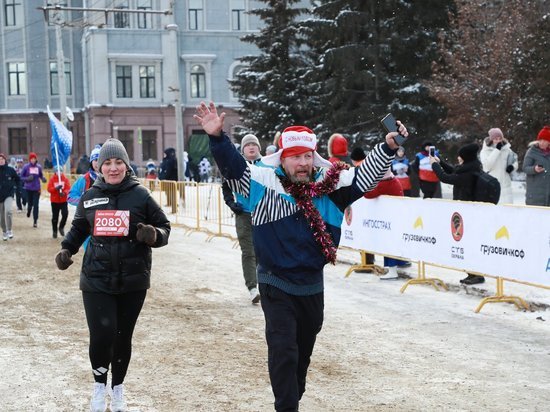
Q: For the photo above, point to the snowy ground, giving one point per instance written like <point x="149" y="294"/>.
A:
<point x="199" y="343"/>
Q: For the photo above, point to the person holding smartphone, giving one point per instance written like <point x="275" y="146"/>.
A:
<point x="536" y="164"/>
<point x="427" y="179"/>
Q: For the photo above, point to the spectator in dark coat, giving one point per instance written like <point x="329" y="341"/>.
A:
<point x="463" y="177"/>
<point x="169" y="166"/>
<point x="169" y="171"/>
<point x="536" y="165"/>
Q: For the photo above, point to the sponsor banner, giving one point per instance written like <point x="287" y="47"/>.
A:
<point x="111" y="223"/>
<point x="507" y="241"/>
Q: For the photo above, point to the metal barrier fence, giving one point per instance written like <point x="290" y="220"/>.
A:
<point x="200" y="207"/>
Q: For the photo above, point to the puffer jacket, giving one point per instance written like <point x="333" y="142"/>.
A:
<point x="463" y="178"/>
<point x="114" y="264"/>
<point x="8" y="181"/>
<point x="538" y="184"/>
<point x="494" y="162"/>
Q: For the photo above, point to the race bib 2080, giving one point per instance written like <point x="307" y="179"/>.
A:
<point x="111" y="223"/>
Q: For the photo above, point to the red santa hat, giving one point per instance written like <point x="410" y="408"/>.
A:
<point x="294" y="141"/>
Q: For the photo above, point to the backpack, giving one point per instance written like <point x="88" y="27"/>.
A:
<point x="487" y="188"/>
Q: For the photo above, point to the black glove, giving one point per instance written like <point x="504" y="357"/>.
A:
<point x="29" y="178"/>
<point x="63" y="259"/>
<point x="236" y="207"/>
<point x="499" y="145"/>
<point x="58" y="187"/>
<point x="509" y="168"/>
<point x="146" y="234"/>
<point x="44" y="180"/>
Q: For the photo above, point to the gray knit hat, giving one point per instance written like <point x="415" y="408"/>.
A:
<point x="250" y="138"/>
<point x="113" y="148"/>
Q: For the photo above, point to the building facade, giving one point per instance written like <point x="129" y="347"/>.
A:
<point x="124" y="70"/>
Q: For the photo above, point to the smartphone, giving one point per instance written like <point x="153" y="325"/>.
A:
<point x="390" y="124"/>
<point x="432" y="151"/>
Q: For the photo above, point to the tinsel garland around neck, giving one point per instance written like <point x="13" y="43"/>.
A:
<point x="303" y="193"/>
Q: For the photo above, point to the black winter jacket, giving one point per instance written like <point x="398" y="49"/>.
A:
<point x="463" y="177"/>
<point x="113" y="264"/>
<point x="8" y="182"/>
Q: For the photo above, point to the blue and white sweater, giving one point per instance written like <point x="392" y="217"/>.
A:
<point x="287" y="253"/>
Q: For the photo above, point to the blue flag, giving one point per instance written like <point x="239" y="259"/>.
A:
<point x="62" y="141"/>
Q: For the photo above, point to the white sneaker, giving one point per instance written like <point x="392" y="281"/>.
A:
<point x="98" y="403"/>
<point x="254" y="295"/>
<point x="4" y="235"/>
<point x="10" y="234"/>
<point x="117" y="399"/>
<point x="391" y="274"/>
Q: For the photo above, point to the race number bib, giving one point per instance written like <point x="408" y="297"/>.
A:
<point x="111" y="223"/>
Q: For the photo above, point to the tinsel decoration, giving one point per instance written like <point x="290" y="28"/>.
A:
<point x="303" y="193"/>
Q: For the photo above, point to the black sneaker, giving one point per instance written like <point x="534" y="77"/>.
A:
<point x="28" y="213"/>
<point x="62" y="231"/>
<point x="472" y="280"/>
<point x="54" y="235"/>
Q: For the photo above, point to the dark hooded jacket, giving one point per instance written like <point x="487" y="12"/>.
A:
<point x="463" y="177"/>
<point x="9" y="179"/>
<point x="116" y="264"/>
<point x="169" y="166"/>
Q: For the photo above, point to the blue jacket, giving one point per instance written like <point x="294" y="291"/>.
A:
<point x="287" y="253"/>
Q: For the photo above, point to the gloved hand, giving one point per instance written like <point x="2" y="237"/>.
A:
<point x="509" y="168"/>
<point x="29" y="178"/>
<point x="63" y="259"/>
<point x="58" y="187"/>
<point x="43" y="179"/>
<point x="146" y="234"/>
<point x="236" y="207"/>
<point x="499" y="145"/>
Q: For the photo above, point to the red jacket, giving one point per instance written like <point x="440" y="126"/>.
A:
<point x="55" y="196"/>
<point x="386" y="187"/>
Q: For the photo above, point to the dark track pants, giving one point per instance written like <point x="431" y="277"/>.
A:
<point x="111" y="320"/>
<point x="56" y="209"/>
<point x="292" y="324"/>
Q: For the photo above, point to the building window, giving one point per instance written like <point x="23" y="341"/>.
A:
<point x="147" y="81"/>
<point x="126" y="137"/>
<point x="123" y="81"/>
<point x="17" y="140"/>
<point x="144" y="20"/>
<point x="13" y="12"/>
<point x="17" y="79"/>
<point x="198" y="81"/>
<point x="54" y="79"/>
<point x="149" y="144"/>
<point x="195" y="14"/>
<point x="122" y="19"/>
<point x="236" y="70"/>
<point x="238" y="9"/>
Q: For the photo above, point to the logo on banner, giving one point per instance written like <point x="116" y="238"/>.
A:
<point x="413" y="237"/>
<point x="111" y="222"/>
<point x="457" y="226"/>
<point x="348" y="215"/>
<point x="501" y="234"/>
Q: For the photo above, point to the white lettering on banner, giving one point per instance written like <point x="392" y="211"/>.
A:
<point x="508" y="244"/>
<point x="112" y="223"/>
<point x="377" y="224"/>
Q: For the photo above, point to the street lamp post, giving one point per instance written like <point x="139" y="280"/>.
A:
<point x="180" y="143"/>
